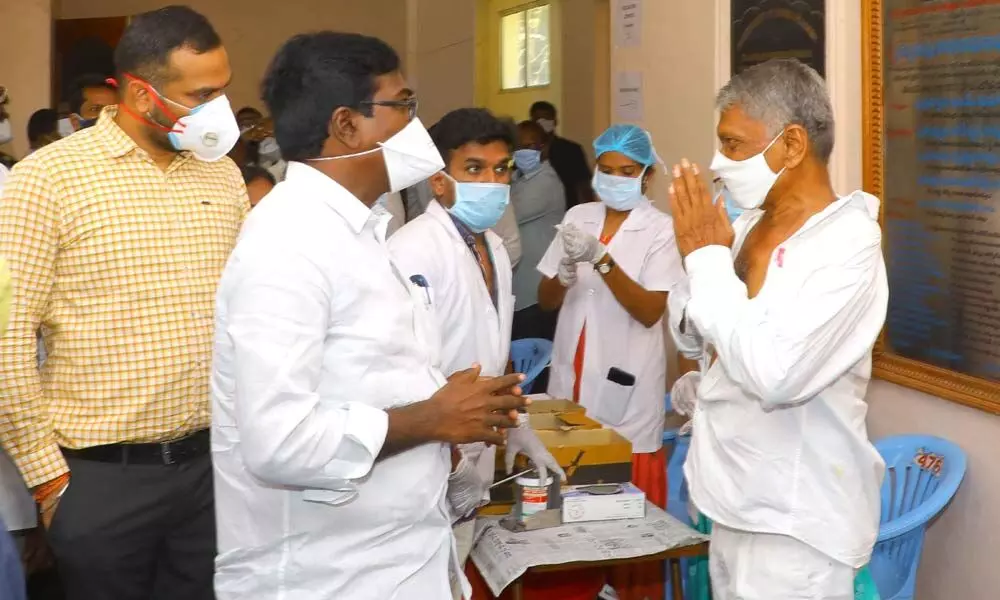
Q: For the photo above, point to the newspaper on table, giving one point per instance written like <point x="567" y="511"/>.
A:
<point x="502" y="556"/>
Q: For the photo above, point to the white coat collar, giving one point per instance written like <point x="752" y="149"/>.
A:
<point x="637" y="220"/>
<point x="331" y="193"/>
<point x="441" y="215"/>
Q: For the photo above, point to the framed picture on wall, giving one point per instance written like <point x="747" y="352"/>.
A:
<point x="766" y="29"/>
<point x="931" y="99"/>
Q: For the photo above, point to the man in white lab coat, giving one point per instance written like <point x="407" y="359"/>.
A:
<point x="332" y="427"/>
<point x="463" y="266"/>
<point x="789" y="301"/>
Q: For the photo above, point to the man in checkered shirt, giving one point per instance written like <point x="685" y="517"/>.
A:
<point x="116" y="237"/>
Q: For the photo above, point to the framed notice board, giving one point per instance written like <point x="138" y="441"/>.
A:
<point x="932" y="154"/>
<point x="766" y="29"/>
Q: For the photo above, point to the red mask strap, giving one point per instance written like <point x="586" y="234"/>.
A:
<point x="156" y="100"/>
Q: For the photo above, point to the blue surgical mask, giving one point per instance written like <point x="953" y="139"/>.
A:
<point x="528" y="160"/>
<point x="479" y="205"/>
<point x="616" y="192"/>
<point x="731" y="209"/>
<point x="85" y="123"/>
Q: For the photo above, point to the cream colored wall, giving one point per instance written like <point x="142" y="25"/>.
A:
<point x="514" y="103"/>
<point x="441" y="56"/>
<point x="252" y="30"/>
<point x="25" y="58"/>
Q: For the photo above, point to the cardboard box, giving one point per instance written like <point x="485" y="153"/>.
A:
<point x="580" y="506"/>
<point x="588" y="456"/>
<point x="540" y="407"/>
<point x="566" y="421"/>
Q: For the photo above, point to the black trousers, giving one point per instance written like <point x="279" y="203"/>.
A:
<point x="533" y="322"/>
<point x="136" y="531"/>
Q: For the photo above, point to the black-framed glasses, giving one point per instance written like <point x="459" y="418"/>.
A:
<point x="410" y="104"/>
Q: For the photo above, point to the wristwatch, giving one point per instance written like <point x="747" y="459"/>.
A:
<point x="605" y="268"/>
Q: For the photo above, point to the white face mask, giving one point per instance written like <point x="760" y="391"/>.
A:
<point x="269" y="149"/>
<point x="65" y="127"/>
<point x="5" y="132"/>
<point x="410" y="156"/>
<point x="748" y="181"/>
<point x="209" y="131"/>
<point x="547" y="125"/>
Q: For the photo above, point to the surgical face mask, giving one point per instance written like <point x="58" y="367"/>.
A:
<point x="6" y="134"/>
<point x="479" y="205"/>
<point x="269" y="149"/>
<point x="748" y="181"/>
<point x="209" y="131"/>
<point x="732" y="210"/>
<point x="85" y="123"/>
<point x="410" y="156"/>
<point x="65" y="127"/>
<point x="547" y="125"/>
<point x="528" y="160"/>
<point x="616" y="192"/>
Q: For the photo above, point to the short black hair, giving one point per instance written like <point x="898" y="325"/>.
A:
<point x="145" y="47"/>
<point x="543" y="105"/>
<point x="43" y="122"/>
<point x="465" y="125"/>
<point x="251" y="172"/>
<point x="87" y="82"/>
<point x="313" y="75"/>
<point x="248" y="110"/>
<point x="533" y="126"/>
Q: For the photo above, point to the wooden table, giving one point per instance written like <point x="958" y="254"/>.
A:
<point x="672" y="556"/>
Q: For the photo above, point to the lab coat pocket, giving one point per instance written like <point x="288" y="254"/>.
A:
<point x="612" y="402"/>
<point x="424" y="321"/>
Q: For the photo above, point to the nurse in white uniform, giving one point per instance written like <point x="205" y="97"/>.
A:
<point x="463" y="267"/>
<point x="609" y="272"/>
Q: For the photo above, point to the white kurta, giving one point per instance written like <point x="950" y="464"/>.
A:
<point x="779" y="443"/>
<point x="472" y="330"/>
<point x="644" y="249"/>
<point x="317" y="335"/>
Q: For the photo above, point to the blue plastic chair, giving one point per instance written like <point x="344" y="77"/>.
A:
<point x="923" y="473"/>
<point x="530" y="356"/>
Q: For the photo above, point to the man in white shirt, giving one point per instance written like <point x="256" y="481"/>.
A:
<point x="452" y="250"/>
<point x="780" y="458"/>
<point x="332" y="428"/>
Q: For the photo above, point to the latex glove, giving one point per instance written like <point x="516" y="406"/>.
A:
<point x="465" y="488"/>
<point x="567" y="272"/>
<point x="580" y="246"/>
<point x="524" y="440"/>
<point x="684" y="394"/>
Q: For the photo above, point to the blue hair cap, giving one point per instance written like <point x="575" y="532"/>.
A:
<point x="630" y="140"/>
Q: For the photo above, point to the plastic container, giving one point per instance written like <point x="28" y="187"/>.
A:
<point x="534" y="494"/>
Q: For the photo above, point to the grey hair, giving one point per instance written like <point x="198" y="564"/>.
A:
<point x="783" y="92"/>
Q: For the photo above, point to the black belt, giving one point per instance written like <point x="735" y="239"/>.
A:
<point x="174" y="452"/>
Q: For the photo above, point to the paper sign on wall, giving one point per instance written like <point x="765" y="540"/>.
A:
<point x="628" y="97"/>
<point x="628" y="23"/>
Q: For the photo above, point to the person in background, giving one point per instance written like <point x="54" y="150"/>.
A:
<point x="43" y="128"/>
<point x="332" y="427"/>
<point x="780" y="458"/>
<point x="259" y="183"/>
<point x="113" y="438"/>
<point x="609" y="270"/>
<point x="537" y="196"/>
<point x="452" y="250"/>
<point x="6" y="130"/>
<point x="257" y="145"/>
<point x="89" y="96"/>
<point x="565" y="156"/>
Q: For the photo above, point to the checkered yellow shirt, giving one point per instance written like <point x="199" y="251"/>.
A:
<point x="117" y="262"/>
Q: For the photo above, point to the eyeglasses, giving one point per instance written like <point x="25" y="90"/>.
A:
<point x="410" y="104"/>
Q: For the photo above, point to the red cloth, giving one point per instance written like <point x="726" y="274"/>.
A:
<point x="638" y="581"/>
